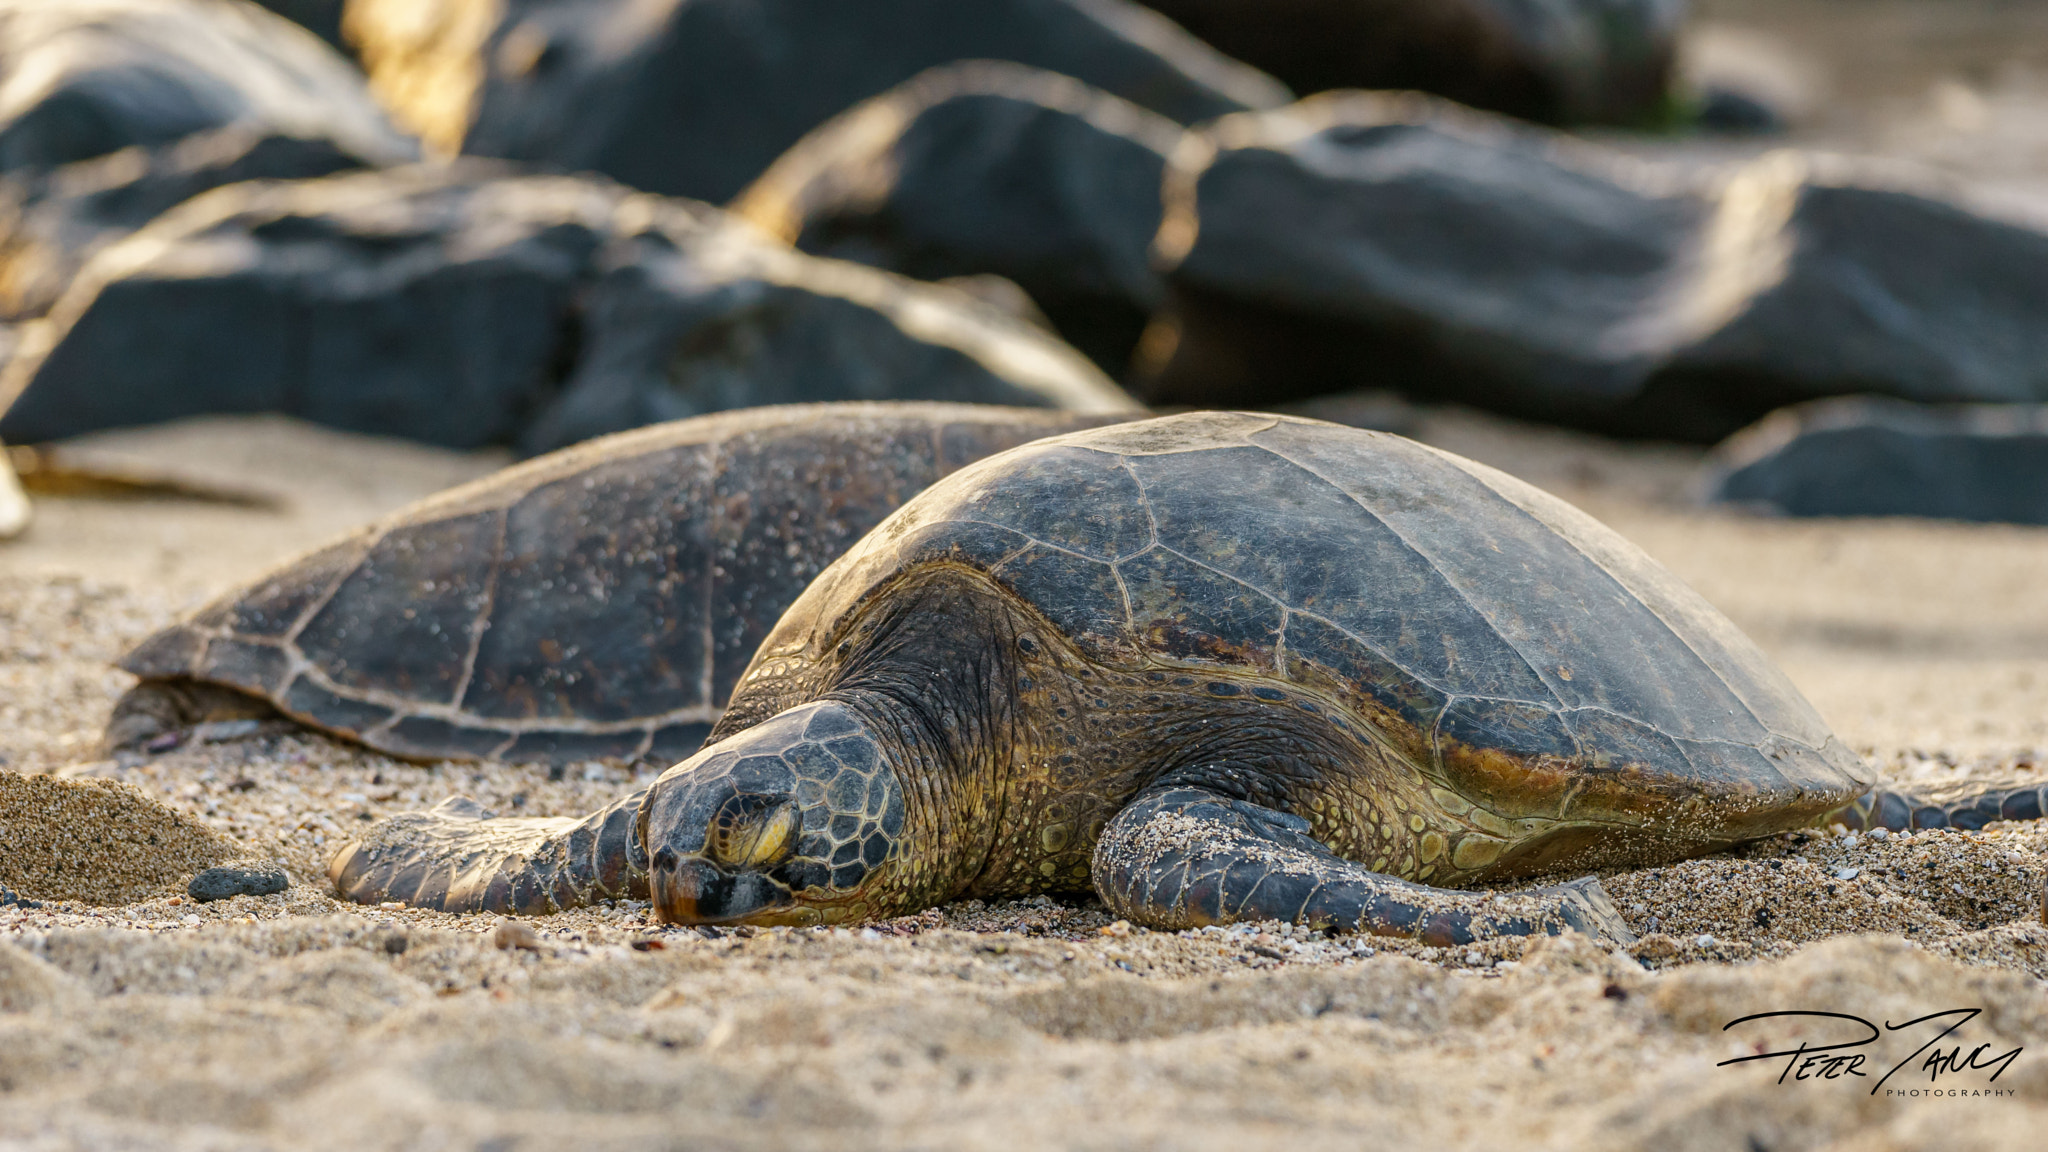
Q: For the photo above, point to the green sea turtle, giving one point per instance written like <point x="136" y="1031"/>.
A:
<point x="596" y="602"/>
<point x="1215" y="667"/>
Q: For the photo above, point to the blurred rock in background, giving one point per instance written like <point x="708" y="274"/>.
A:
<point x="84" y="78"/>
<point x="698" y="97"/>
<point x="320" y="17"/>
<point x="119" y="109"/>
<point x="1869" y="456"/>
<point x="989" y="169"/>
<point x="1556" y="61"/>
<point x="468" y="305"/>
<point x="1397" y="241"/>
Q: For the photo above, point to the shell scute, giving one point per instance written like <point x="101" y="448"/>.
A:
<point x="430" y="733"/>
<point x="1189" y="612"/>
<point x="557" y="746"/>
<point x="1411" y="703"/>
<point x="585" y="622"/>
<point x="403" y="620"/>
<point x="259" y="668"/>
<point x="307" y="699"/>
<point x="1080" y="596"/>
<point x="1081" y="502"/>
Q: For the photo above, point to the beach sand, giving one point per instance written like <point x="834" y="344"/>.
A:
<point x="147" y="1020"/>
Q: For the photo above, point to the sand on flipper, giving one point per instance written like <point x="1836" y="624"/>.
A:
<point x="98" y="841"/>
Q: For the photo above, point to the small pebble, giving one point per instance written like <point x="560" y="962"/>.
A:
<point x="1880" y="834"/>
<point x="396" y="944"/>
<point x="1705" y="940"/>
<point x="227" y="882"/>
<point x="511" y="934"/>
<point x="1847" y="873"/>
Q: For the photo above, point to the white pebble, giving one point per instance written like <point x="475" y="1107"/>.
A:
<point x="1704" y="940"/>
<point x="1850" y="841"/>
<point x="1847" y="873"/>
<point x="1880" y="834"/>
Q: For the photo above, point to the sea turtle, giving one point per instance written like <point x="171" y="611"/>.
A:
<point x="596" y="602"/>
<point x="1215" y="666"/>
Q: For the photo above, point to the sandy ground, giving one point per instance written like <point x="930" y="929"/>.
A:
<point x="148" y="1020"/>
<point x="132" y="1017"/>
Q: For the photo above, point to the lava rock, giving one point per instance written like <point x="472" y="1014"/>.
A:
<point x="464" y="305"/>
<point x="989" y="168"/>
<point x="1866" y="456"/>
<point x="1563" y="62"/>
<point x="698" y="97"/>
<point x="52" y="222"/>
<point x="1395" y="241"/>
<point x="693" y="312"/>
<point x="227" y="882"/>
<point x="90" y="77"/>
<point x="320" y="17"/>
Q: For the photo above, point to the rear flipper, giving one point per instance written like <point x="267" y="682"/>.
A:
<point x="453" y="858"/>
<point x="1968" y="807"/>
<point x="1184" y="857"/>
<point x="155" y="707"/>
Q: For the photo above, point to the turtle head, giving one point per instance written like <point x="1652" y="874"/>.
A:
<point x="797" y="820"/>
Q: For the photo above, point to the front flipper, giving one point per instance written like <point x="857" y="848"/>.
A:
<point x="454" y="858"/>
<point x="1184" y="857"/>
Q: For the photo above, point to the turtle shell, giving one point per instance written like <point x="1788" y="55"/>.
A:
<point x="1503" y="643"/>
<point x="597" y="602"/>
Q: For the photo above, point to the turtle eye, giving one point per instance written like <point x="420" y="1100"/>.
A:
<point x="753" y="831"/>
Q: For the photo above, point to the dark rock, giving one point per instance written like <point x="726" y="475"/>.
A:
<point x="1735" y="112"/>
<point x="697" y="97"/>
<point x="693" y="312"/>
<point x="396" y="943"/>
<point x="466" y="306"/>
<point x="228" y="882"/>
<point x="1866" y="456"/>
<point x="989" y="168"/>
<point x="89" y="77"/>
<point x="1393" y="241"/>
<point x="320" y="17"/>
<point x="1567" y="61"/>
<point x="10" y="899"/>
<point x="52" y="222"/>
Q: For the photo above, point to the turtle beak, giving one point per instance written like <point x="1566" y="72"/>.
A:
<point x="689" y="890"/>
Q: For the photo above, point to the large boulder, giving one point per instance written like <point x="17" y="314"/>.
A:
<point x="51" y="222"/>
<point x="320" y="17"/>
<point x="83" y="78"/>
<point x="1395" y="241"/>
<point x="989" y="168"/>
<point x="463" y="305"/>
<point x="697" y="97"/>
<point x="1868" y="456"/>
<point x="1559" y="61"/>
<point x="112" y="111"/>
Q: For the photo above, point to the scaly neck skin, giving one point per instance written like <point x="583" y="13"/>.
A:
<point x="928" y="674"/>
